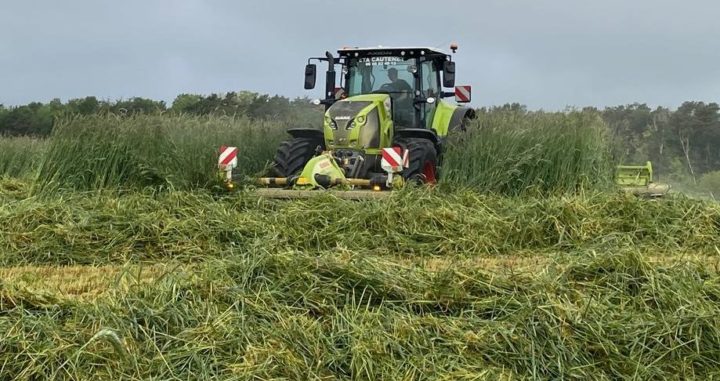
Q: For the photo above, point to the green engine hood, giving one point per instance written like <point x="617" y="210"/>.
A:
<point x="359" y="122"/>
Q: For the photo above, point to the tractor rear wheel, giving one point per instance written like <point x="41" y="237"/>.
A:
<point x="422" y="158"/>
<point x="292" y="155"/>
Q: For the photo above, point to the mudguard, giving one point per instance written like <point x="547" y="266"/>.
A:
<point x="305" y="133"/>
<point x="450" y="117"/>
<point x="421" y="133"/>
<point x="459" y="115"/>
<point x="417" y="133"/>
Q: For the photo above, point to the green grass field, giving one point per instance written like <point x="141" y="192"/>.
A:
<point x="121" y="260"/>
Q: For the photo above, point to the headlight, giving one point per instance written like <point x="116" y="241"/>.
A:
<point x="359" y="121"/>
<point x="330" y="123"/>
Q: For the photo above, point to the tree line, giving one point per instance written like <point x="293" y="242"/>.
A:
<point x="37" y="119"/>
<point x="683" y="144"/>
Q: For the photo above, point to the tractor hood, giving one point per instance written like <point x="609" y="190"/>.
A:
<point x="356" y="122"/>
<point x="342" y="114"/>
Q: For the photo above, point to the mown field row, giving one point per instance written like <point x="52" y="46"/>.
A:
<point x="329" y="314"/>
<point x="119" y="259"/>
<point x="427" y="284"/>
<point x="96" y="228"/>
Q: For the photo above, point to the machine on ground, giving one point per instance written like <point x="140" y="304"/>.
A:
<point x="386" y="124"/>
<point x="638" y="180"/>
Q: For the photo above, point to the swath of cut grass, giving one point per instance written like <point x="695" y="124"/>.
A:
<point x="84" y="282"/>
<point x="191" y="226"/>
<point x="327" y="288"/>
<point x="314" y="315"/>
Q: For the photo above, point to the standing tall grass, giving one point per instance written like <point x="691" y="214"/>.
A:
<point x="20" y="156"/>
<point x="505" y="152"/>
<point x="175" y="152"/>
<point x="514" y="152"/>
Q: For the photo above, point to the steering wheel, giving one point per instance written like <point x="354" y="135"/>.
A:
<point x="385" y="89"/>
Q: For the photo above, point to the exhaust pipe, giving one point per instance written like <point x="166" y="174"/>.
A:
<point x="330" y="81"/>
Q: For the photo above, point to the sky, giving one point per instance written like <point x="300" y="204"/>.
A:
<point x="545" y="54"/>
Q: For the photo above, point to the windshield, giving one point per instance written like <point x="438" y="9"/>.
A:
<point x="384" y="74"/>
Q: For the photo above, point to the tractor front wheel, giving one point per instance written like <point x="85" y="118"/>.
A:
<point x="422" y="157"/>
<point x="292" y="155"/>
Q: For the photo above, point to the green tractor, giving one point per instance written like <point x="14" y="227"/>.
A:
<point x="385" y="125"/>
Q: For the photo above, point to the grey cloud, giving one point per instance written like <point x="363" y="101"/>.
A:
<point x="546" y="54"/>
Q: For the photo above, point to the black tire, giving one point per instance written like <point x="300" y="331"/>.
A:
<point x="423" y="160"/>
<point x="292" y="155"/>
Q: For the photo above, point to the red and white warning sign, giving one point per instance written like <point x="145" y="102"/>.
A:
<point x="463" y="94"/>
<point x="228" y="157"/>
<point x="394" y="159"/>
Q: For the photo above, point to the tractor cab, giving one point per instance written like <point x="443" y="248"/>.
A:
<point x="413" y="77"/>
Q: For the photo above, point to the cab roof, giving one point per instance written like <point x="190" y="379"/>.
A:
<point x="409" y="51"/>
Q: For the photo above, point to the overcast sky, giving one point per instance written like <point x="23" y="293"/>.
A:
<point x="542" y="53"/>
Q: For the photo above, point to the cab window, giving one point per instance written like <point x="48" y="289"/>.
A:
<point x="430" y="79"/>
<point x="430" y="88"/>
<point x="387" y="74"/>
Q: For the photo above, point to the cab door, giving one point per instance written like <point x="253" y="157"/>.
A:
<point x="430" y="87"/>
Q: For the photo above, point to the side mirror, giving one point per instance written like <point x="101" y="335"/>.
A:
<point x="449" y="74"/>
<point x="310" y="75"/>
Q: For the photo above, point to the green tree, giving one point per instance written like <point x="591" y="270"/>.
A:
<point x="695" y="134"/>
<point x="137" y="105"/>
<point x="186" y="104"/>
<point x="84" y="106"/>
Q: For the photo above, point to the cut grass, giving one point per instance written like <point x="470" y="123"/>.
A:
<point x="317" y="315"/>
<point x="12" y="189"/>
<point x="190" y="226"/>
<point x="423" y="285"/>
<point x="89" y="283"/>
<point x="84" y="282"/>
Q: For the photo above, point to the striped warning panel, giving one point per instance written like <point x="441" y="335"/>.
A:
<point x="463" y="94"/>
<point x="228" y="157"/>
<point x="394" y="159"/>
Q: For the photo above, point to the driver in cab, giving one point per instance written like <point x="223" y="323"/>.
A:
<point x="400" y="91"/>
<point x="397" y="84"/>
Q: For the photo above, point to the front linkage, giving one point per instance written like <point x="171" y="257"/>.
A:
<point x="323" y="172"/>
